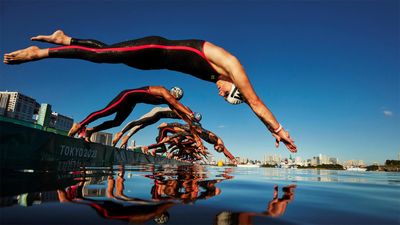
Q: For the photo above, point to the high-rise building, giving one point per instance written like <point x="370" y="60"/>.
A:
<point x="48" y="118"/>
<point x="333" y="160"/>
<point x="102" y="138"/>
<point x="132" y="145"/>
<point x="314" y="161"/>
<point x="18" y="106"/>
<point x="277" y="158"/>
<point x="61" y="122"/>
<point x="44" y="115"/>
<point x="323" y="159"/>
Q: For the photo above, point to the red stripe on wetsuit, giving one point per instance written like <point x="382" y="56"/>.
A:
<point x="114" y="104"/>
<point x="133" y="48"/>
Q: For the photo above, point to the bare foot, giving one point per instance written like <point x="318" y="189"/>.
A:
<point x="58" y="37"/>
<point x="25" y="55"/>
<point x="145" y="150"/>
<point x="124" y="142"/>
<point x="74" y="129"/>
<point x="116" y="139"/>
<point x="89" y="132"/>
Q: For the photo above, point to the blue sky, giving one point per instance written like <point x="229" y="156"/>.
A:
<point x="328" y="70"/>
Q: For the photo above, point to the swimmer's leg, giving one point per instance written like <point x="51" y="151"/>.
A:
<point x="133" y="126"/>
<point x="60" y="38"/>
<point x="111" y="108"/>
<point x="116" y="138"/>
<point x="124" y="141"/>
<point x="137" y="53"/>
<point x="32" y="53"/>
<point x="78" y="127"/>
<point x="130" y="134"/>
<point x="130" y="53"/>
<point x="121" y="115"/>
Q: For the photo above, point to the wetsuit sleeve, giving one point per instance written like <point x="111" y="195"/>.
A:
<point x="88" y="43"/>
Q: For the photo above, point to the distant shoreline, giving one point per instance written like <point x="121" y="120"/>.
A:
<point x="381" y="168"/>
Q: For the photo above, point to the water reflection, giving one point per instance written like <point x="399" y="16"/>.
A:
<point x="276" y="208"/>
<point x="321" y="175"/>
<point x="109" y="191"/>
<point x="184" y="184"/>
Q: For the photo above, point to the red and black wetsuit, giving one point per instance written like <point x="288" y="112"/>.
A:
<point x="122" y="105"/>
<point x="147" y="53"/>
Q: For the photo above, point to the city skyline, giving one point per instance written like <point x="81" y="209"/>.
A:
<point x="327" y="70"/>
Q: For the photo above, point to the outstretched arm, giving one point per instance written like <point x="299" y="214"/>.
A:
<point x="219" y="146"/>
<point x="231" y="70"/>
<point x="185" y="113"/>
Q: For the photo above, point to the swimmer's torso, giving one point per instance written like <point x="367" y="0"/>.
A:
<point x="146" y="53"/>
<point x="185" y="56"/>
<point x="142" y="95"/>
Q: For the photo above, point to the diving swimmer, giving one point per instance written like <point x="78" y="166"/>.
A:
<point x="182" y="130"/>
<point x="198" y="58"/>
<point x="124" y="103"/>
<point x="147" y="119"/>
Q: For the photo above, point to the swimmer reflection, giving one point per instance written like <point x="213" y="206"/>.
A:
<point x="276" y="208"/>
<point x="170" y="188"/>
<point x="111" y="194"/>
<point x="187" y="187"/>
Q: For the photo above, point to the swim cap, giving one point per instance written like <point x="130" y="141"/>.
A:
<point x="219" y="148"/>
<point x="197" y="116"/>
<point x="177" y="92"/>
<point x="234" y="97"/>
<point x="162" y="219"/>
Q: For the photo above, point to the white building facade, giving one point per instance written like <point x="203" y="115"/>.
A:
<point x="18" y="106"/>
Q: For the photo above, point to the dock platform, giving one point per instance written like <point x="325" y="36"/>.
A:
<point x="24" y="148"/>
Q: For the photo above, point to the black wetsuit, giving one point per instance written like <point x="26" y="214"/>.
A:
<point x="122" y="105"/>
<point x="147" y="53"/>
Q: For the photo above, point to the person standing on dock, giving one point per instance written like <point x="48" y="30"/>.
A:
<point x="198" y="58"/>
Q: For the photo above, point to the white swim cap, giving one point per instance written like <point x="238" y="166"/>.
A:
<point x="162" y="218"/>
<point x="234" y="97"/>
<point x="177" y="92"/>
<point x="197" y="116"/>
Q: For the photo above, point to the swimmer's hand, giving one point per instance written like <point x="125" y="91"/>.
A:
<point x="234" y="161"/>
<point x="283" y="136"/>
<point x="145" y="150"/>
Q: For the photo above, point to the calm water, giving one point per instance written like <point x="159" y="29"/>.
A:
<point x="199" y="195"/>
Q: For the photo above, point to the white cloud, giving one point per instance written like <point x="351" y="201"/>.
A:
<point x="221" y="126"/>
<point x="387" y="113"/>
